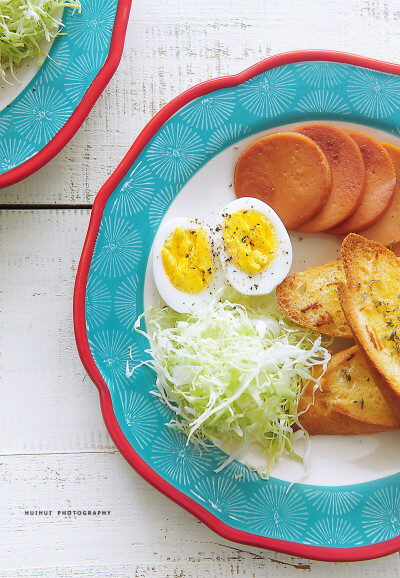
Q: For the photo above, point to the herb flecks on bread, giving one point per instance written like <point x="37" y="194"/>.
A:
<point x="370" y="297"/>
<point x="311" y="299"/>
<point x="350" y="402"/>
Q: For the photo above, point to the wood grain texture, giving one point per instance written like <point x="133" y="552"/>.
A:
<point x="49" y="404"/>
<point x="144" y="530"/>
<point x="55" y="452"/>
<point x="173" y="45"/>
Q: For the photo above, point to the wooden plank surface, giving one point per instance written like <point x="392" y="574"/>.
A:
<point x="139" y="528"/>
<point x="55" y="453"/>
<point x="172" y="45"/>
<point x="57" y="456"/>
<point x="54" y="406"/>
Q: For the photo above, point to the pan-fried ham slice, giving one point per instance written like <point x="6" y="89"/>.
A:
<point x="379" y="186"/>
<point x="348" y="176"/>
<point x="387" y="229"/>
<point x="287" y="171"/>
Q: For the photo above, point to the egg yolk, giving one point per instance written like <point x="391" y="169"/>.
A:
<point x="187" y="259"/>
<point x="250" y="240"/>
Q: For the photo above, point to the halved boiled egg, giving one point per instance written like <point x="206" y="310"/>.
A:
<point x="253" y="245"/>
<point x="185" y="272"/>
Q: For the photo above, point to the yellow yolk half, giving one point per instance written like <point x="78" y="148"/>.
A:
<point x="250" y="240"/>
<point x="187" y="259"/>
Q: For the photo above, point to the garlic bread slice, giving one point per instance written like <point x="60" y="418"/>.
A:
<point x="370" y="297"/>
<point x="311" y="299"/>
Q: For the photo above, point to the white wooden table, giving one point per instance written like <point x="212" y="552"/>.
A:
<point x="55" y="452"/>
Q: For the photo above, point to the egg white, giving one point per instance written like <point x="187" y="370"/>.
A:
<point x="266" y="280"/>
<point x="178" y="300"/>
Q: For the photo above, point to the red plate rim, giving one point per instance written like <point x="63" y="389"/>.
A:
<point x="292" y="548"/>
<point x="75" y="121"/>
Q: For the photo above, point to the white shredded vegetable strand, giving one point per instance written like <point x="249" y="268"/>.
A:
<point x="234" y="372"/>
<point x="23" y="24"/>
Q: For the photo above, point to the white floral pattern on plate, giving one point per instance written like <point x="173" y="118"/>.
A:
<point x="322" y="101"/>
<point x="222" y="495"/>
<point x="381" y="514"/>
<point x="334" y="532"/>
<point x="110" y="348"/>
<point x="225" y="135"/>
<point x="338" y="516"/>
<point x="126" y="302"/>
<point x="375" y="95"/>
<point x="140" y="416"/>
<point x="269" y="94"/>
<point x="209" y="112"/>
<point x="278" y="512"/>
<point x="160" y="204"/>
<point x="98" y="302"/>
<point x="321" y="74"/>
<point x="41" y="114"/>
<point x="137" y="192"/>
<point x="178" y="459"/>
<point x="13" y="152"/>
<point x="38" y="113"/>
<point x="92" y="31"/>
<point x="333" y="503"/>
<point x="175" y="153"/>
<point x="119" y="250"/>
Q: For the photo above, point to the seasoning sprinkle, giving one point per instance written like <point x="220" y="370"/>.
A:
<point x="361" y="401"/>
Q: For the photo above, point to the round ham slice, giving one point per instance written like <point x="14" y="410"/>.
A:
<point x="348" y="176"/>
<point x="387" y="229"/>
<point x="379" y="185"/>
<point x="289" y="172"/>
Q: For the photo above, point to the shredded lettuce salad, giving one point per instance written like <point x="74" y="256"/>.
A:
<point x="234" y="373"/>
<point x="24" y="24"/>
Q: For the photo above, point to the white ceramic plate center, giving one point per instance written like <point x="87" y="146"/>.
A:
<point x="334" y="460"/>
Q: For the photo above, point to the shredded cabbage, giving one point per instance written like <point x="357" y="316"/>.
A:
<point x="234" y="373"/>
<point x="23" y="24"/>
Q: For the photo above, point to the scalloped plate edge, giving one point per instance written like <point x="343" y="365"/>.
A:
<point x="295" y="549"/>
<point x="75" y="121"/>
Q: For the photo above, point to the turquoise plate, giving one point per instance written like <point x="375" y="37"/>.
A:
<point x="339" y="521"/>
<point x="38" y="123"/>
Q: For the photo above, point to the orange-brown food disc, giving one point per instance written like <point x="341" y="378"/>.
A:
<point x="387" y="229"/>
<point x="380" y="182"/>
<point x="348" y="176"/>
<point x="287" y="171"/>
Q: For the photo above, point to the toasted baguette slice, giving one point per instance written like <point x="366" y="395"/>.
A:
<point x="350" y="402"/>
<point x="311" y="299"/>
<point x="370" y="298"/>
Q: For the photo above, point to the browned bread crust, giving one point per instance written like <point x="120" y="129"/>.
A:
<point x="310" y="298"/>
<point x="370" y="297"/>
<point x="350" y="402"/>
